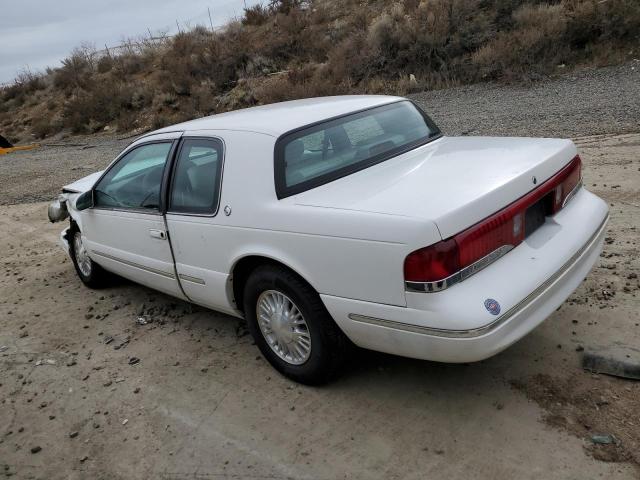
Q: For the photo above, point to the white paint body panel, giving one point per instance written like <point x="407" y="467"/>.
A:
<point x="509" y="280"/>
<point x="279" y="118"/>
<point x="320" y="244"/>
<point x="115" y="234"/>
<point x="349" y="238"/>
<point x="453" y="181"/>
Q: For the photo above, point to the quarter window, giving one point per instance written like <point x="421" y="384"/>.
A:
<point x="196" y="179"/>
<point x="135" y="181"/>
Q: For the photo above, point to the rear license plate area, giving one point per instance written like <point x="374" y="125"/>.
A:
<point x="535" y="215"/>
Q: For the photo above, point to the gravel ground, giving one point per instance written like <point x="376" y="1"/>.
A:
<point x="36" y="175"/>
<point x="589" y="102"/>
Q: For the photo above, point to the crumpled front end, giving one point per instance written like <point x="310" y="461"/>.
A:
<point x="59" y="210"/>
<point x="63" y="207"/>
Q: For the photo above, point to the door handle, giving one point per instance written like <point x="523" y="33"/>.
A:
<point x="161" y="234"/>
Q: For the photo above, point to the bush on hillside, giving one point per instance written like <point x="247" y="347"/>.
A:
<point x="289" y="49"/>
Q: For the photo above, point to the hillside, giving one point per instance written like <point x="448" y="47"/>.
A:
<point x="292" y="49"/>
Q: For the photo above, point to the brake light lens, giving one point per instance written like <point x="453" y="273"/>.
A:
<point x="505" y="228"/>
<point x="568" y="183"/>
<point x="432" y="263"/>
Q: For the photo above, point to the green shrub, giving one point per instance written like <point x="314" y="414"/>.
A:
<point x="126" y="121"/>
<point x="255" y="15"/>
<point x="76" y="72"/>
<point x="290" y="49"/>
<point x="44" y="126"/>
<point x="105" y="64"/>
<point x="24" y="86"/>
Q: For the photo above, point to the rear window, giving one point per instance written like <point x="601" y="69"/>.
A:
<point x="321" y="153"/>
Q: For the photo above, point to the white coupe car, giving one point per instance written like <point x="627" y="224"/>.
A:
<point x="343" y="219"/>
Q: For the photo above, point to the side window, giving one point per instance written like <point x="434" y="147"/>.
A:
<point x="196" y="179"/>
<point x="135" y="181"/>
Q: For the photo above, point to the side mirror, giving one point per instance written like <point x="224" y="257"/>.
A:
<point x="85" y="200"/>
<point x="57" y="210"/>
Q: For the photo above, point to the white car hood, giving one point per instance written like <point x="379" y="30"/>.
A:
<point x="83" y="184"/>
<point x="454" y="181"/>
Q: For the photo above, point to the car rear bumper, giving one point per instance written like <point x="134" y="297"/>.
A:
<point x="529" y="283"/>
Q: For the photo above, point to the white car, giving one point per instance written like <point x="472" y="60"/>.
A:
<point x="339" y="220"/>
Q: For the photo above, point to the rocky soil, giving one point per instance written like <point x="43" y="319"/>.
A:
<point x="87" y="390"/>
<point x="587" y="102"/>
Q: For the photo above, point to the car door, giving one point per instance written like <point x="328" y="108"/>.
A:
<point x="193" y="204"/>
<point x="125" y="231"/>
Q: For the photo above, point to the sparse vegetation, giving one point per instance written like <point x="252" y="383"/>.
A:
<point x="289" y="49"/>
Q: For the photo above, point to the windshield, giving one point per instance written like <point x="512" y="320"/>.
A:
<point x="321" y="153"/>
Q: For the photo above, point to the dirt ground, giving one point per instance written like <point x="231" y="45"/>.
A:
<point x="201" y="403"/>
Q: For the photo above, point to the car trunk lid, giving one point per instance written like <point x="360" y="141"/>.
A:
<point x="454" y="181"/>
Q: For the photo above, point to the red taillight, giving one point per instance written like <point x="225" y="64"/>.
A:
<point x="432" y="263"/>
<point x="504" y="228"/>
<point x="570" y="180"/>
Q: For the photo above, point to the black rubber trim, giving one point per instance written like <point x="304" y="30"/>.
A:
<point x="283" y="191"/>
<point x="171" y="172"/>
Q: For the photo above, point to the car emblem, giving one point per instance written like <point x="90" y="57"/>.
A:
<point x="227" y="210"/>
<point x="492" y="306"/>
<point x="534" y="180"/>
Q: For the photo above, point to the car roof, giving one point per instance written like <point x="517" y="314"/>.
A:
<point x="278" y="118"/>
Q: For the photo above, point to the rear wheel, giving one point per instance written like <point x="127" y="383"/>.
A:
<point x="91" y="274"/>
<point x="292" y="327"/>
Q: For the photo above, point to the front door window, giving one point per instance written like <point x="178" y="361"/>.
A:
<point x="135" y="181"/>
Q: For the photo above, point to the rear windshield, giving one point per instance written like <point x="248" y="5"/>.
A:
<point x="321" y="153"/>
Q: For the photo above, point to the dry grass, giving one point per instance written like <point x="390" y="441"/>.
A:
<point x="293" y="49"/>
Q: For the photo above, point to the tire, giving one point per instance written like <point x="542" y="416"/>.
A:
<point x="328" y="346"/>
<point x="91" y="274"/>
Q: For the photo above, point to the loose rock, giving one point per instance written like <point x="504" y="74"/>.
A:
<point x="616" y="360"/>
<point x="603" y="439"/>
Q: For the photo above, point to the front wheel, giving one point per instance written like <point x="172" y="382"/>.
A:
<point x="292" y="327"/>
<point x="91" y="274"/>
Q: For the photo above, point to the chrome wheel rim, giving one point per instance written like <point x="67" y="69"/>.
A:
<point x="283" y="327"/>
<point x="82" y="258"/>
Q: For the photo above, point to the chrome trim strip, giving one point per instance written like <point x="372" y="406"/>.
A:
<point x="406" y="327"/>
<point x="459" y="276"/>
<point x="572" y="193"/>
<point x="476" y="332"/>
<point x="191" y="279"/>
<point x="135" y="265"/>
<point x="128" y="210"/>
